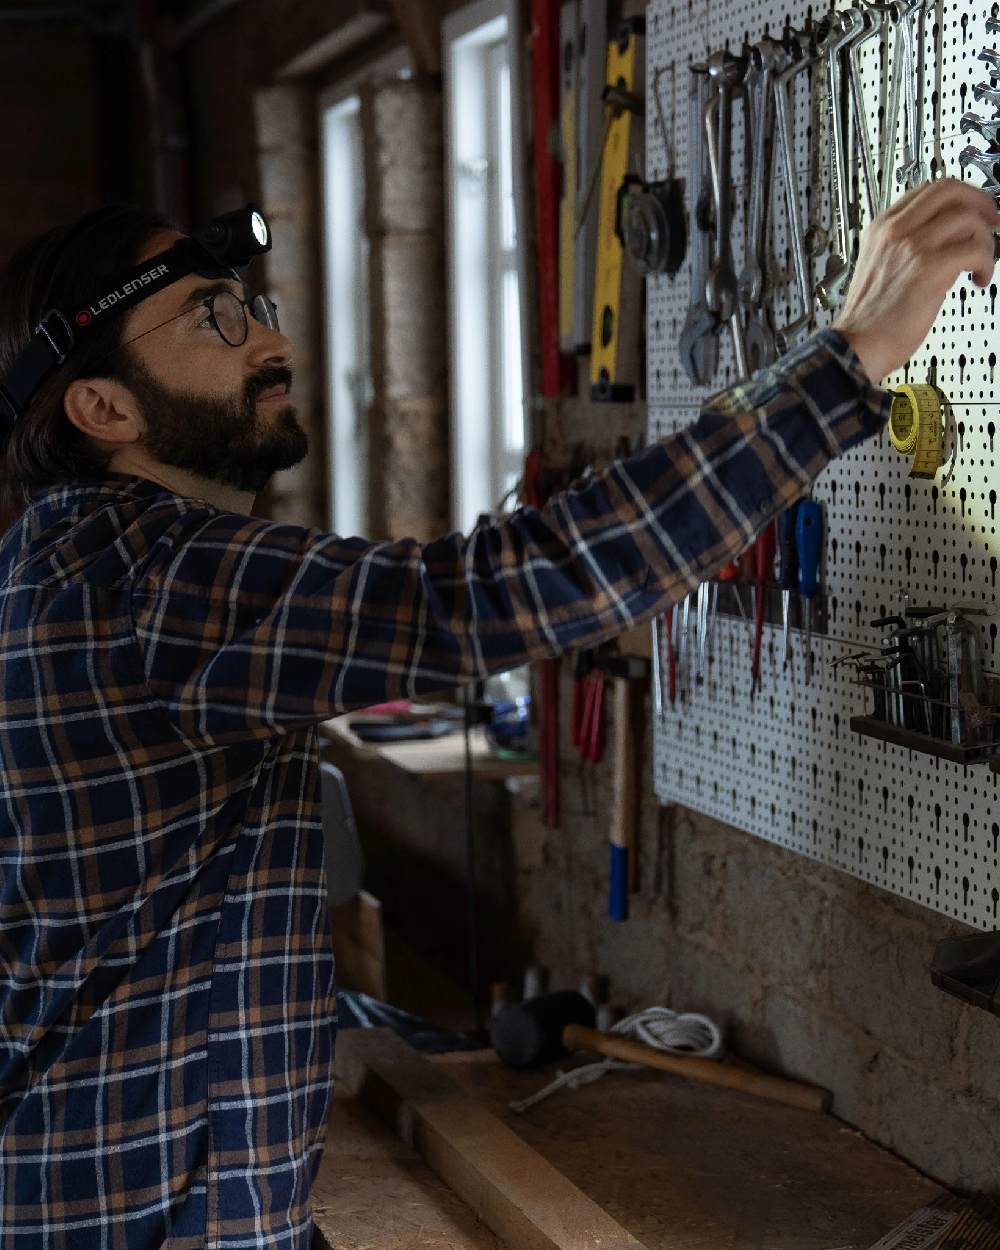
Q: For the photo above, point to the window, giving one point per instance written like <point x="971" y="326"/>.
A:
<point x="346" y="317"/>
<point x="345" y="295"/>
<point x="485" y="257"/>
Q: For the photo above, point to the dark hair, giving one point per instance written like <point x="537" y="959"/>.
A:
<point x="61" y="268"/>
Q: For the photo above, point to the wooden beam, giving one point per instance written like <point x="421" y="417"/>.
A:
<point x="420" y="26"/>
<point x="517" y="1193"/>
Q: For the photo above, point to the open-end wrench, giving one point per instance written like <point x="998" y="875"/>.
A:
<point x="983" y="91"/>
<point x="721" y="292"/>
<point x="800" y="259"/>
<point x="838" y="265"/>
<point x="699" y="343"/>
<point x="890" y="123"/>
<point x="816" y="236"/>
<point x="863" y="29"/>
<point x="993" y="26"/>
<point x="766" y="59"/>
<point x="973" y="123"/>
<point x="913" y="170"/>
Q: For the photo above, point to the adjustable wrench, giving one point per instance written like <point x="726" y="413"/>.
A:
<point x="721" y="292"/>
<point x="699" y="344"/>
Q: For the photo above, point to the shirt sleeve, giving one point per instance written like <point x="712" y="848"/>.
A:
<point x="252" y="627"/>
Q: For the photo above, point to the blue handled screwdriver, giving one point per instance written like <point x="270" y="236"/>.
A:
<point x="809" y="542"/>
<point x="788" y="571"/>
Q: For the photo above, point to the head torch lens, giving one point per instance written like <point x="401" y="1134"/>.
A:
<point x="259" y="227"/>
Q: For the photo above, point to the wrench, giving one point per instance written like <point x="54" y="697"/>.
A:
<point x="891" y="121"/>
<point x="699" y="344"/>
<point x="802" y="262"/>
<point x="913" y="170"/>
<point x="766" y="59"/>
<point x="983" y="91"/>
<point x="985" y="161"/>
<point x="972" y="122"/>
<point x="721" y="292"/>
<point x="863" y="28"/>
<point x="993" y="26"/>
<point x="838" y="265"/>
<point x="992" y="58"/>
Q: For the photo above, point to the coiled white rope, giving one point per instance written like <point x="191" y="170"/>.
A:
<point x="678" y="1033"/>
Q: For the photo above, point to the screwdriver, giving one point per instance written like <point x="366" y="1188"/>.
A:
<point x="788" y="571"/>
<point x="735" y="572"/>
<point x="809" y="541"/>
<point x="763" y="554"/>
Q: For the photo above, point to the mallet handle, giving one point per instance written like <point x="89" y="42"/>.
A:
<point x="708" y="1071"/>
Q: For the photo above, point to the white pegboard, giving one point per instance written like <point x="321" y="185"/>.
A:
<point x="786" y="765"/>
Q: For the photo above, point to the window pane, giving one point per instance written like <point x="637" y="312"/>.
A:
<point x="508" y="236"/>
<point x="513" y="391"/>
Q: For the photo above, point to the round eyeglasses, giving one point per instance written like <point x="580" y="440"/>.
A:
<point x="228" y="315"/>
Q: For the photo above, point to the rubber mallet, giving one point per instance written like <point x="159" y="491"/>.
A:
<point x="544" y="1028"/>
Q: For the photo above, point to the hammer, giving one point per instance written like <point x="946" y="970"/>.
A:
<point x="544" y="1028"/>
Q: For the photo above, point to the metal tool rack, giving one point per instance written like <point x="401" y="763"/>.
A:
<point x="786" y="766"/>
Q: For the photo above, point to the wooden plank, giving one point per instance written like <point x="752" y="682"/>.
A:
<point x="359" y="945"/>
<point x="373" y="1193"/>
<point x="432" y="758"/>
<point x="690" y="1167"/>
<point x="526" y="1201"/>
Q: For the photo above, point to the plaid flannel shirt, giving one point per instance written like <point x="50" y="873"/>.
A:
<point x="166" y="977"/>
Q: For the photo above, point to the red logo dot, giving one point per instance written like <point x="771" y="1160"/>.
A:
<point x="83" y="318"/>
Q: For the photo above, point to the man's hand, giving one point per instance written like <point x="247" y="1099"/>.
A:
<point x="910" y="257"/>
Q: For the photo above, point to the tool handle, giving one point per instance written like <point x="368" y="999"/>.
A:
<point x="624" y="807"/>
<point x="707" y="1071"/>
<point x="809" y="542"/>
<point x="788" y="557"/>
<point x="746" y="565"/>
<point x="763" y="553"/>
<point x="728" y="572"/>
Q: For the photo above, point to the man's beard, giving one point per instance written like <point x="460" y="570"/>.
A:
<point x="221" y="440"/>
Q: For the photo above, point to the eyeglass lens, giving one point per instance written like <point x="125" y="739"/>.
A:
<point x="230" y="317"/>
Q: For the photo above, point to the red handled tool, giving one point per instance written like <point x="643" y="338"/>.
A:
<point x="764" y="550"/>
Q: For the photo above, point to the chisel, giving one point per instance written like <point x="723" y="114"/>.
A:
<point x="788" y="572"/>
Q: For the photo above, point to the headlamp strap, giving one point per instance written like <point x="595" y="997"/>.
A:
<point x="60" y="329"/>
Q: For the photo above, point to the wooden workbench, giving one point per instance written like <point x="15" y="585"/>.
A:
<point x="638" y="1159"/>
<point x="431" y="757"/>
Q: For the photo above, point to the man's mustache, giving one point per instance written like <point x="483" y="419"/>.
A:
<point x="266" y="380"/>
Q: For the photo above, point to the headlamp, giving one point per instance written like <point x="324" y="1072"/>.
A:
<point x="227" y="243"/>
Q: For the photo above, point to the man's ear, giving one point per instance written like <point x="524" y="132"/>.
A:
<point x="104" y="410"/>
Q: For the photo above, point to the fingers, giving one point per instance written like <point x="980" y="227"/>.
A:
<point x="974" y="255"/>
<point x="944" y="229"/>
<point x="947" y="196"/>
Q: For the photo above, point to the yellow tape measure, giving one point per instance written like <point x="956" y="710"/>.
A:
<point x="915" y="427"/>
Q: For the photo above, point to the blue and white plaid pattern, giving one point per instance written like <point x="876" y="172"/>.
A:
<point x="166" y="978"/>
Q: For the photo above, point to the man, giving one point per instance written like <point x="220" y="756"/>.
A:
<point x="166" y="983"/>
